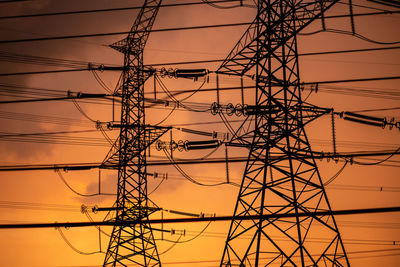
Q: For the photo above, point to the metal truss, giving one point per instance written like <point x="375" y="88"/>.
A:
<point x="133" y="244"/>
<point x="287" y="184"/>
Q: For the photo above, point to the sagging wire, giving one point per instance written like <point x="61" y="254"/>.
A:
<point x="74" y="248"/>
<point x="172" y="246"/>
<point x="378" y="162"/>
<point x="362" y="6"/>
<point x="194" y="92"/>
<point x="330" y="180"/>
<point x="175" y="242"/>
<point x="81" y="111"/>
<point x="185" y="175"/>
<point x="100" y="81"/>
<point x="395" y="4"/>
<point x="85" y="211"/>
<point x="228" y="7"/>
<point x="357" y="35"/>
<point x="99" y="126"/>
<point x="76" y="192"/>
<point x="173" y="98"/>
<point x="166" y="117"/>
<point x="155" y="189"/>
<point x="199" y="234"/>
<point x="378" y="109"/>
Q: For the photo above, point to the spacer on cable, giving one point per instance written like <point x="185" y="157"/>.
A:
<point x="163" y="72"/>
<point x="215" y="108"/>
<point x="238" y="110"/>
<point x="214" y="134"/>
<point x="245" y="110"/>
<point x="322" y="156"/>
<point x="171" y="73"/>
<point x="98" y="125"/>
<point x="186" y="145"/>
<point x="391" y="123"/>
<point x="230" y="109"/>
<point x="174" y="145"/>
<point x="95" y="209"/>
<point x="83" y="208"/>
<point x="159" y="145"/>
<point x="181" y="145"/>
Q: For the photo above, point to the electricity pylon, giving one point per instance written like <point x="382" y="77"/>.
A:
<point x="133" y="244"/>
<point x="289" y="183"/>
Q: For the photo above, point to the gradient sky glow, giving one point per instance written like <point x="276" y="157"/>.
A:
<point x="41" y="196"/>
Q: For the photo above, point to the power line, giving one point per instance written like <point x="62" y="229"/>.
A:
<point x="12" y="1"/>
<point x="106" y="10"/>
<point x="41" y="72"/>
<point x="300" y="54"/>
<point x="88" y="166"/>
<point x="121" y="33"/>
<point x="381" y="12"/>
<point x="158" y="30"/>
<point x="203" y="219"/>
<point x="83" y="66"/>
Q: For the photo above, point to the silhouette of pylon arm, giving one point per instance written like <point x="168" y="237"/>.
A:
<point x="243" y="56"/>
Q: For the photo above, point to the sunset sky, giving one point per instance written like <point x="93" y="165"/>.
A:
<point x="41" y="196"/>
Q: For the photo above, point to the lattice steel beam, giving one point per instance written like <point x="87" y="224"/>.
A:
<point x="291" y="183"/>
<point x="133" y="244"/>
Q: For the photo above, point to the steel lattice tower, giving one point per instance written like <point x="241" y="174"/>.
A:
<point x="289" y="183"/>
<point x="133" y="244"/>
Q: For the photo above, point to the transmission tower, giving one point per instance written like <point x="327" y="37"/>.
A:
<point x="289" y="183"/>
<point x="133" y="244"/>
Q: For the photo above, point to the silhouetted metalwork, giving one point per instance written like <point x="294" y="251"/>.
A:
<point x="133" y="244"/>
<point x="287" y="184"/>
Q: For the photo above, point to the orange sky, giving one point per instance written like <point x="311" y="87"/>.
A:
<point x="45" y="247"/>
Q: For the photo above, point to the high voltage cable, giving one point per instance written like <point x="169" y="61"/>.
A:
<point x="41" y="72"/>
<point x="204" y="219"/>
<point x="12" y="1"/>
<point x="60" y="136"/>
<point x="83" y="66"/>
<point x="108" y="9"/>
<point x="122" y="33"/>
<point x="380" y="12"/>
<point x="88" y="166"/>
<point x="216" y="262"/>
<point x="37" y="206"/>
<point x="153" y="30"/>
<point x="391" y="94"/>
<point x="349" y="241"/>
<point x="384" y="189"/>
<point x="300" y="54"/>
<point x="74" y="208"/>
<point x="391" y="3"/>
<point x="42" y="118"/>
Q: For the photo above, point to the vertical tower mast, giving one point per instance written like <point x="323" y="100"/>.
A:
<point x="290" y="183"/>
<point x="133" y="244"/>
